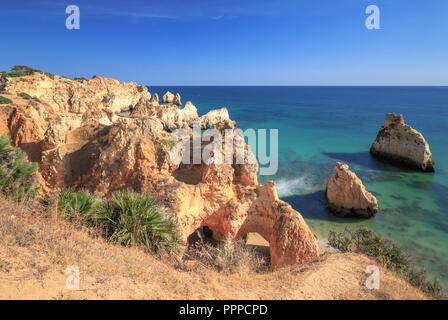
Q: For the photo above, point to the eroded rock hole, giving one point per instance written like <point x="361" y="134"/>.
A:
<point x="189" y="174"/>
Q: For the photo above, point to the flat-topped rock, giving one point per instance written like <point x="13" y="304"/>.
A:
<point x="400" y="144"/>
<point x="347" y="196"/>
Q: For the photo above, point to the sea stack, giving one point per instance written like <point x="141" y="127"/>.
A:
<point x="168" y="97"/>
<point x="176" y="100"/>
<point x="347" y="196"/>
<point x="400" y="144"/>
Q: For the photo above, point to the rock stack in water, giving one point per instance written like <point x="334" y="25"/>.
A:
<point x="399" y="143"/>
<point x="172" y="99"/>
<point x="168" y="97"/>
<point x="347" y="196"/>
<point x="176" y="100"/>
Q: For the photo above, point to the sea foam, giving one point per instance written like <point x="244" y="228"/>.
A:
<point x="296" y="186"/>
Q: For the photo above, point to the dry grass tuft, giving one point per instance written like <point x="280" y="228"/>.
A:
<point x="232" y="257"/>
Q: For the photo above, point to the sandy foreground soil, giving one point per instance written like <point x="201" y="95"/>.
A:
<point x="36" y="250"/>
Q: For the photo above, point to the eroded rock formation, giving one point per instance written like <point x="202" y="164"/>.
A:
<point x="218" y="119"/>
<point x="347" y="196"/>
<point x="83" y="137"/>
<point x="168" y="97"/>
<point x="399" y="143"/>
<point x="154" y="99"/>
<point x="176" y="100"/>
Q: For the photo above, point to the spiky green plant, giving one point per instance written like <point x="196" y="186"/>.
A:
<point x="17" y="175"/>
<point x="133" y="219"/>
<point x="79" y="206"/>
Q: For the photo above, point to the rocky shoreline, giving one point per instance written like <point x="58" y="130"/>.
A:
<point x="101" y="135"/>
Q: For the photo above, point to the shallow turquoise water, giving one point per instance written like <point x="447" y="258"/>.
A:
<point x="321" y="125"/>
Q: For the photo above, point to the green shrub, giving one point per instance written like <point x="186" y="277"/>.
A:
<point x="128" y="218"/>
<point x="28" y="97"/>
<point x="24" y="69"/>
<point x="49" y="75"/>
<point x="15" y="74"/>
<point x="133" y="219"/>
<point x="17" y="175"/>
<point x="25" y="95"/>
<point x="4" y="100"/>
<point x="80" y="206"/>
<point x="79" y="78"/>
<point x="367" y="242"/>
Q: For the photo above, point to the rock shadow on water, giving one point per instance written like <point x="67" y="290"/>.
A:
<point x="364" y="159"/>
<point x="314" y="206"/>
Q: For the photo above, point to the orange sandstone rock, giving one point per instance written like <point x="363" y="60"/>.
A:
<point x="82" y="136"/>
<point x="347" y="196"/>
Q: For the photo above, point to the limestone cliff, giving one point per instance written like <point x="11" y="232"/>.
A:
<point x="103" y="135"/>
<point x="399" y="143"/>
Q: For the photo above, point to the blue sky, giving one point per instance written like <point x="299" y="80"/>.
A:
<point x="232" y="42"/>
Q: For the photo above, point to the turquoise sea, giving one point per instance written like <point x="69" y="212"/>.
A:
<point x="321" y="125"/>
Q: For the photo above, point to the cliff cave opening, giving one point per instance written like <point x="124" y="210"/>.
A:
<point x="255" y="241"/>
<point x="202" y="235"/>
<point x="189" y="173"/>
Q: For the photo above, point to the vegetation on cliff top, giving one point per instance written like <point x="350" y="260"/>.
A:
<point x="17" y="175"/>
<point x="387" y="253"/>
<point x="20" y="70"/>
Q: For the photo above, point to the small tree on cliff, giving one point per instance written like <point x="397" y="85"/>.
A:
<point x="24" y="69"/>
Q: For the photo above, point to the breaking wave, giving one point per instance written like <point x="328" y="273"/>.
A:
<point x="297" y="186"/>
